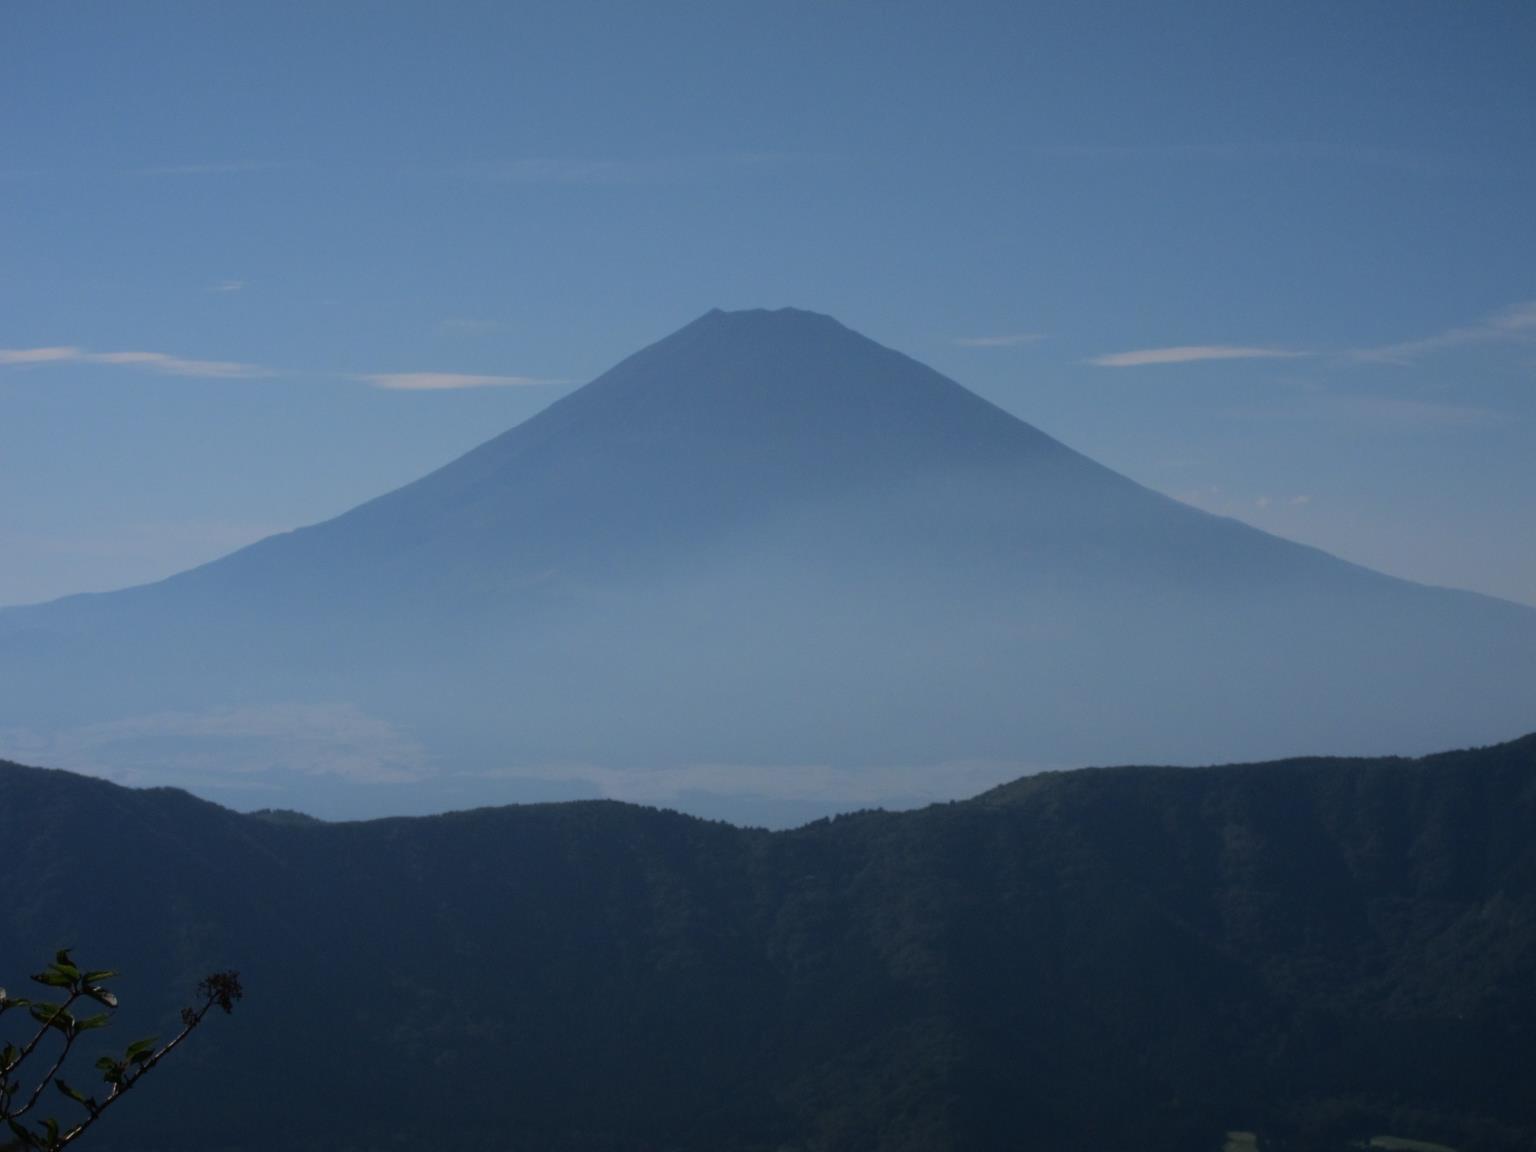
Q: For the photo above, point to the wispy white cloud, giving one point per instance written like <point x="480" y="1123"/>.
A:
<point x="470" y="326"/>
<point x="161" y="363"/>
<point x="1248" y="150"/>
<point x="1012" y="340"/>
<point x="164" y="364"/>
<point x="38" y="355"/>
<point x="226" y="286"/>
<point x="612" y="170"/>
<point x="215" y="168"/>
<point x="1190" y="354"/>
<point x="567" y="170"/>
<point x="448" y="381"/>
<point x="167" y="365"/>
<point x="1515" y="324"/>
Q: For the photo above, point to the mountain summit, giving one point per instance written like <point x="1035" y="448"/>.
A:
<point x="731" y="417"/>
<point x="764" y="567"/>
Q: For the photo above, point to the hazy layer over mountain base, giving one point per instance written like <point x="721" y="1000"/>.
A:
<point x="834" y="692"/>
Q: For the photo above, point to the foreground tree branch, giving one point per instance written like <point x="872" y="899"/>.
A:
<point x="22" y="1087"/>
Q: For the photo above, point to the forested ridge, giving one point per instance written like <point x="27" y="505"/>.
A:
<point x="1317" y="950"/>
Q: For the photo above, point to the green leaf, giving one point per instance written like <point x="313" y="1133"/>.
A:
<point x="100" y="1020"/>
<point x="54" y="977"/>
<point x="63" y="965"/>
<point x="144" y="1047"/>
<point x="73" y="1094"/>
<point x="102" y="995"/>
<point x="98" y="977"/>
<point x="54" y="1016"/>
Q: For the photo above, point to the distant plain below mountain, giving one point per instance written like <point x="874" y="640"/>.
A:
<point x="763" y="569"/>
<point x="1321" y="952"/>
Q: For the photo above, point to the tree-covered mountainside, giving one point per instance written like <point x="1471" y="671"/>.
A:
<point x="1317" y="950"/>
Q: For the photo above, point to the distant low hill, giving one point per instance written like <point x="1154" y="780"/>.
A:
<point x="1318" y="951"/>
<point x="763" y="568"/>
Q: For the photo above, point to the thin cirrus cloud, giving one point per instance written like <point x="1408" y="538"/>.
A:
<point x="160" y="363"/>
<point x="216" y="168"/>
<point x="21" y="356"/>
<point x="1515" y="324"/>
<point x="1247" y="151"/>
<point x="470" y="326"/>
<point x="1191" y="354"/>
<point x="1013" y="340"/>
<point x="448" y="381"/>
<point x="592" y="170"/>
<point x="164" y="364"/>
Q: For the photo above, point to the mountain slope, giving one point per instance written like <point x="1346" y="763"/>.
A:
<point x="764" y="542"/>
<point x="1322" y="950"/>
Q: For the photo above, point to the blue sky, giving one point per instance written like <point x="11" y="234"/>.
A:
<point x="260" y="262"/>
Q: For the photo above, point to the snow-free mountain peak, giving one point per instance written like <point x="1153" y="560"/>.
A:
<point x="764" y="567"/>
<point x="782" y="379"/>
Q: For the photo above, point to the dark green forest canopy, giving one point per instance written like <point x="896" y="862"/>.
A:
<point x="1319" y="950"/>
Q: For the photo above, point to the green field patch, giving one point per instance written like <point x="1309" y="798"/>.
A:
<point x="1241" y="1142"/>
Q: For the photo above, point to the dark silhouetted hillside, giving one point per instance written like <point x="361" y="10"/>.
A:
<point x="1321" y="950"/>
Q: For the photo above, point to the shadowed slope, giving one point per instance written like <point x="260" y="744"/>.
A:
<point x="1143" y="958"/>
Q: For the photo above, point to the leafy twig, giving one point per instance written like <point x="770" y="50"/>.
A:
<point x="220" y="989"/>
